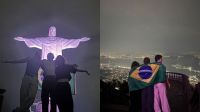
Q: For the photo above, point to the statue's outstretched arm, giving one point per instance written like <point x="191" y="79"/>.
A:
<point x="31" y="42"/>
<point x="73" y="43"/>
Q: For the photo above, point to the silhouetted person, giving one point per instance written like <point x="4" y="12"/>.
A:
<point x="195" y="100"/>
<point x="49" y="82"/>
<point x="147" y="93"/>
<point x="160" y="93"/>
<point x="63" y="90"/>
<point x="29" y="84"/>
<point x="1" y="97"/>
<point x="135" y="96"/>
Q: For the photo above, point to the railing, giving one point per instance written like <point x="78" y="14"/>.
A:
<point x="177" y="76"/>
<point x="185" y="87"/>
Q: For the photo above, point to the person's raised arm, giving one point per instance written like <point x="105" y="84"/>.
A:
<point x="24" y="60"/>
<point x="80" y="70"/>
<point x="31" y="42"/>
<point x="73" y="43"/>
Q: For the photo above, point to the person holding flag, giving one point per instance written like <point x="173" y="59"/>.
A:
<point x="160" y="92"/>
<point x="135" y="95"/>
<point x="151" y="74"/>
<point x="148" y="92"/>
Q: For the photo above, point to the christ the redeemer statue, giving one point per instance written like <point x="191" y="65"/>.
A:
<point x="52" y="44"/>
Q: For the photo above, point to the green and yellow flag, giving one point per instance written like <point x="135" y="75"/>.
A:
<point x="146" y="75"/>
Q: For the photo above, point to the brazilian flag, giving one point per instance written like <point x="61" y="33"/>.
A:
<point x="146" y="75"/>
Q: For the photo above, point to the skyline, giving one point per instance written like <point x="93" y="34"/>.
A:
<point x="118" y="66"/>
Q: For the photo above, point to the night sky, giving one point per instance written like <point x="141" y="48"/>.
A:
<point x="32" y="18"/>
<point x="166" y="26"/>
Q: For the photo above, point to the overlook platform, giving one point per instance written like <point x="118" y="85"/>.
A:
<point x="181" y="95"/>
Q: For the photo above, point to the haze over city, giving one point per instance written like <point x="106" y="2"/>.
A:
<point x="144" y="26"/>
<point x="134" y="29"/>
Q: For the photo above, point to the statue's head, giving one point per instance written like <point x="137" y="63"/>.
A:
<point x="52" y="31"/>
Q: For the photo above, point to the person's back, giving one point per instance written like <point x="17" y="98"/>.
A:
<point x="33" y="65"/>
<point x="160" y="93"/>
<point x="29" y="84"/>
<point x="63" y="93"/>
<point x="135" y="95"/>
<point x="148" y="92"/>
<point x="162" y="71"/>
<point x="63" y="71"/>
<point x="48" y="67"/>
<point x="134" y="65"/>
<point x="49" y="82"/>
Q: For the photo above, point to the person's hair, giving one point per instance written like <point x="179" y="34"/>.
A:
<point x="37" y="54"/>
<point x="50" y="56"/>
<point x="146" y="60"/>
<point x="60" y="60"/>
<point x="158" y="57"/>
<point x="134" y="64"/>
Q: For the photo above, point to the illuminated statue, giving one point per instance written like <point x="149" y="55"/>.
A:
<point x="52" y="44"/>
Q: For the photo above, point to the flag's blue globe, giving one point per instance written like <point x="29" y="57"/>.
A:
<point x="145" y="72"/>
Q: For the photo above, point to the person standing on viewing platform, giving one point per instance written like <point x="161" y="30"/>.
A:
<point x="49" y="82"/>
<point x="135" y="95"/>
<point x="147" y="93"/>
<point x="63" y="93"/>
<point x="160" y="93"/>
<point x="29" y="84"/>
